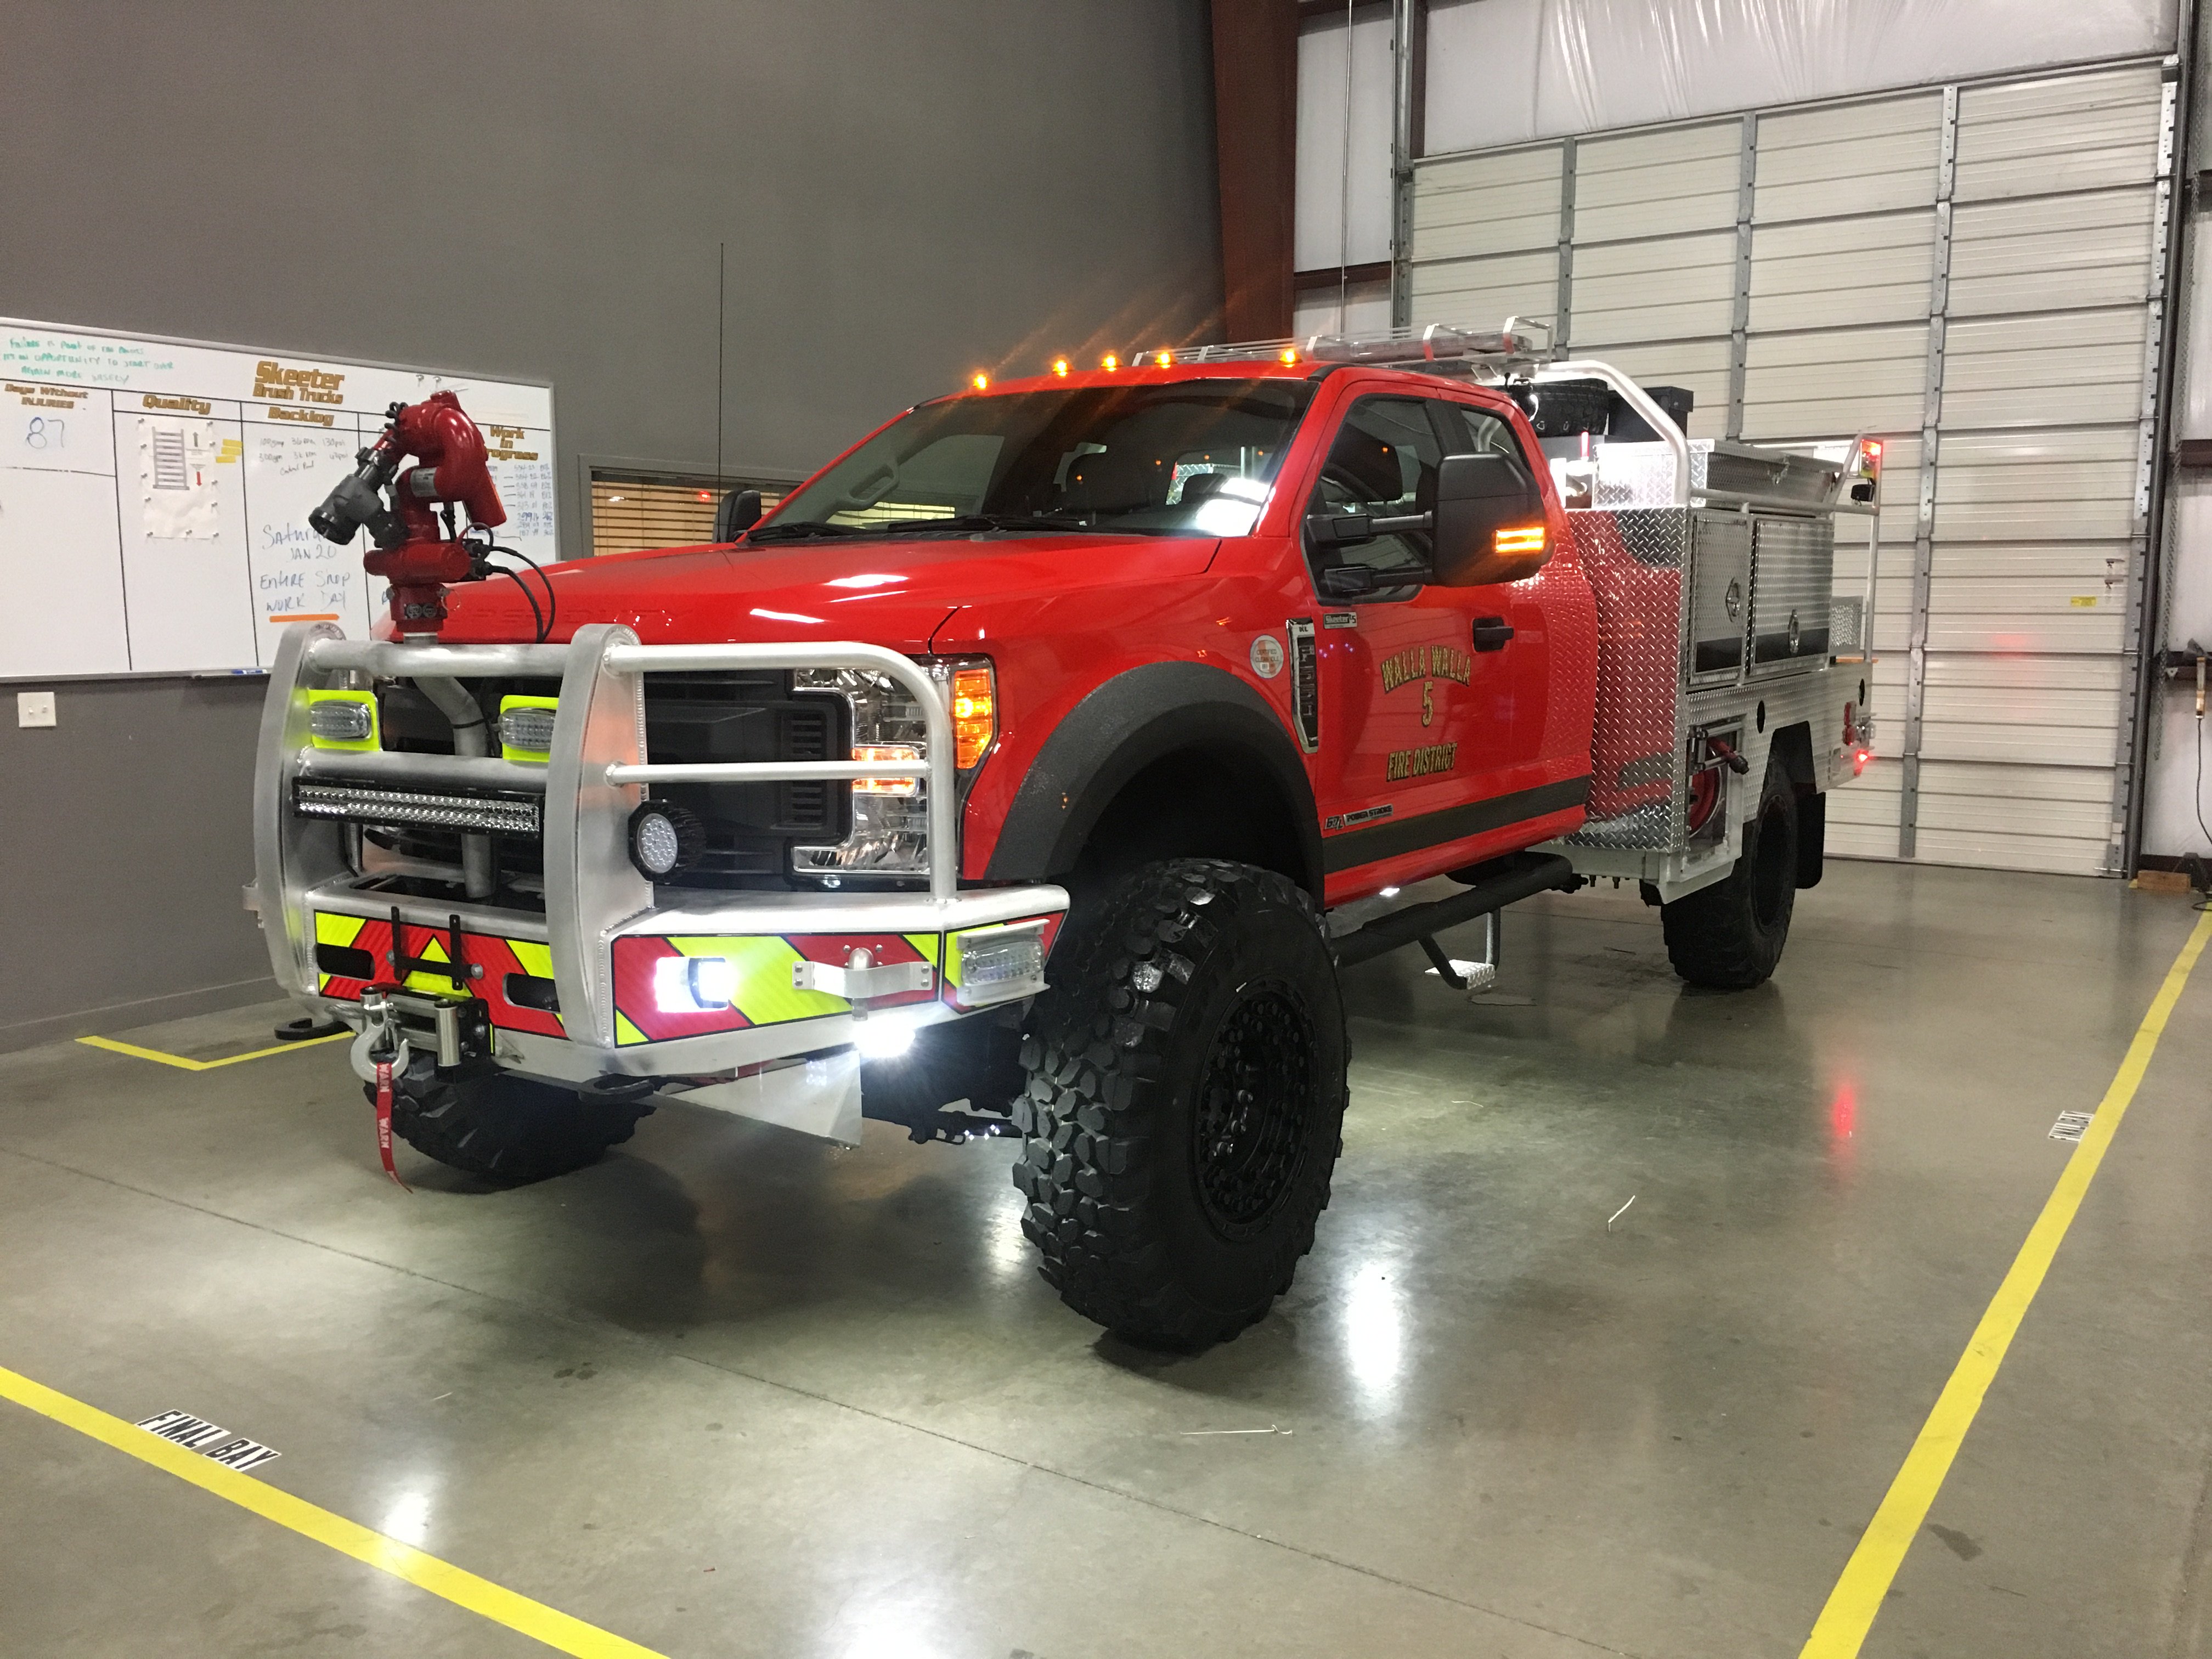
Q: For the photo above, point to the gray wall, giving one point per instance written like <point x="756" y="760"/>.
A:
<point x="909" y="192"/>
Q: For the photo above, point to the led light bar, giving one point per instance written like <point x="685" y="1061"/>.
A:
<point x="355" y="803"/>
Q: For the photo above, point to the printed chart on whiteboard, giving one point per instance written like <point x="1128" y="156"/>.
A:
<point x="154" y="496"/>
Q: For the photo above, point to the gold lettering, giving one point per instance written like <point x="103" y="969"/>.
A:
<point x="312" y="416"/>
<point x="180" y="402"/>
<point x="1404" y="763"/>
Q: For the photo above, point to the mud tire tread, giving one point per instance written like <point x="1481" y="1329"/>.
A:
<point x="1096" y="1113"/>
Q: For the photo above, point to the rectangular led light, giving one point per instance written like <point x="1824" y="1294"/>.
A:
<point x="526" y="729"/>
<point x="1000" y="962"/>
<point x="342" y="720"/>
<point x="1528" y="539"/>
<point x="355" y="803"/>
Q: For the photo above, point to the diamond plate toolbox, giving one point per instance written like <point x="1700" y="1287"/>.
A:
<point x="1636" y="560"/>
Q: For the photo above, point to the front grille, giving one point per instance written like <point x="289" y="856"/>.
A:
<point x="749" y="716"/>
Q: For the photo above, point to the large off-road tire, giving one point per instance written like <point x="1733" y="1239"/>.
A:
<point x="1730" y="936"/>
<point x="1185" y="1105"/>
<point x="506" y="1128"/>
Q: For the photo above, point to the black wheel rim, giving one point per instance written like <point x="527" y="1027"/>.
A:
<point x="1253" y="1098"/>
<point x="1770" y="875"/>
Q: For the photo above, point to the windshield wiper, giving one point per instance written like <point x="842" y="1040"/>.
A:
<point x="794" y="532"/>
<point x="970" y="524"/>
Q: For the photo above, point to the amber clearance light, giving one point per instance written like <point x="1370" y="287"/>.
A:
<point x="1520" y="542"/>
<point x="974" y="715"/>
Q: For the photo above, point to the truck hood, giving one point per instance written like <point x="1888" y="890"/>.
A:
<point x="894" y="594"/>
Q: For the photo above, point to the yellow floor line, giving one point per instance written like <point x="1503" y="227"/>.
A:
<point x="479" y="1595"/>
<point x="1850" y="1614"/>
<point x="184" y="1064"/>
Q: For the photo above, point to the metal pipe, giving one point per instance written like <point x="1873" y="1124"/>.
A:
<point x="471" y="741"/>
<point x="391" y="767"/>
<point x="762" y="771"/>
<point x="396" y="662"/>
<point x="1639" y="400"/>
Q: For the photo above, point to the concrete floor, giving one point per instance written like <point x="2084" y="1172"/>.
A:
<point x="732" y="1392"/>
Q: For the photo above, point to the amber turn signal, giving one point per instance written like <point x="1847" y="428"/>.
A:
<point x="974" y="715"/>
<point x="1520" y="542"/>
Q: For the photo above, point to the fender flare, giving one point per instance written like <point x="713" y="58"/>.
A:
<point x="1123" y="726"/>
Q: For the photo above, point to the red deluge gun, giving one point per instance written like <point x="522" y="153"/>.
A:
<point x="418" y="550"/>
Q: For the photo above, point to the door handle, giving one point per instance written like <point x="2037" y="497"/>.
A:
<point x="1490" y="632"/>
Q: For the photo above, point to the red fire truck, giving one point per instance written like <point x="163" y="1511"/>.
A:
<point x="1037" y="765"/>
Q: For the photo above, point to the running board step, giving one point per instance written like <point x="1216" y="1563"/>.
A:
<point x="1490" y="888"/>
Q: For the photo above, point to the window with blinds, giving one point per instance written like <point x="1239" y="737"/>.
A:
<point x="631" y="511"/>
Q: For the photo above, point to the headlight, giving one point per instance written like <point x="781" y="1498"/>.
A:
<point x="890" y="816"/>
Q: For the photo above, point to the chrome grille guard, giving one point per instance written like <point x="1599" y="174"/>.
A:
<point x="596" y="775"/>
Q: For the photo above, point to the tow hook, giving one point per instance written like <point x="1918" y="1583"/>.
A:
<point x="383" y="1046"/>
<point x="381" y="1040"/>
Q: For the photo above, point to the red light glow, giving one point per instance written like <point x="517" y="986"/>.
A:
<point x="1844" y="1112"/>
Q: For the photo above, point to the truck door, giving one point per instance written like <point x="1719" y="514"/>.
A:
<point x="1434" y="700"/>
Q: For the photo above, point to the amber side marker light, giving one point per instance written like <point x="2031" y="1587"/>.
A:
<point x="974" y="715"/>
<point x="1519" y="543"/>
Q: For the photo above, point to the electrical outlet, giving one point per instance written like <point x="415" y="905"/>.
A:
<point x="35" y="709"/>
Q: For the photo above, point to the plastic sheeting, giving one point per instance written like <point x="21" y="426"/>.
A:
<point x="1502" y="71"/>
<point x="1322" y="133"/>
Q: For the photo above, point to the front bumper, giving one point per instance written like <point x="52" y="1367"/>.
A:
<point x="613" y="978"/>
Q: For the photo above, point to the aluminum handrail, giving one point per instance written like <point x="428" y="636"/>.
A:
<point x="393" y="766"/>
<point x="762" y="771"/>
<point x="394" y="661"/>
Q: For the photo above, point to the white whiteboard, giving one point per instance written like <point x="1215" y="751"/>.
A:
<point x="155" y="494"/>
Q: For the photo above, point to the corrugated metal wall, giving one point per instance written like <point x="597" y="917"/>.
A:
<point x="1974" y="270"/>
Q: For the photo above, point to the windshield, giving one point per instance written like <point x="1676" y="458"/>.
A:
<point x="1190" y="457"/>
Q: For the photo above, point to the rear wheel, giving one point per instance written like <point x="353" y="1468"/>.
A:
<point x="1185" y="1104"/>
<point x="508" y="1128"/>
<point x="1730" y="936"/>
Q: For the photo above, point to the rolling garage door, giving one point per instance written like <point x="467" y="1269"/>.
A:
<point x="1972" y="271"/>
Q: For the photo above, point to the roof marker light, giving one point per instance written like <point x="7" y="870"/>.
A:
<point x="1109" y="362"/>
<point x="1164" y="359"/>
<point x="980" y="380"/>
<point x="1059" y="366"/>
<point x="1290" y="355"/>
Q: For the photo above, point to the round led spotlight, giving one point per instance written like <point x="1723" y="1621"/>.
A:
<point x="665" y="841"/>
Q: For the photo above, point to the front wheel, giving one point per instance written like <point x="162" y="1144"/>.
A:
<point x="1185" y="1104"/>
<point x="1730" y="936"/>
<point x="506" y="1128"/>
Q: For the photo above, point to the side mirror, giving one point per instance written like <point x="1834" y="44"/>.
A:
<point x="738" y="512"/>
<point x="1490" y="522"/>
